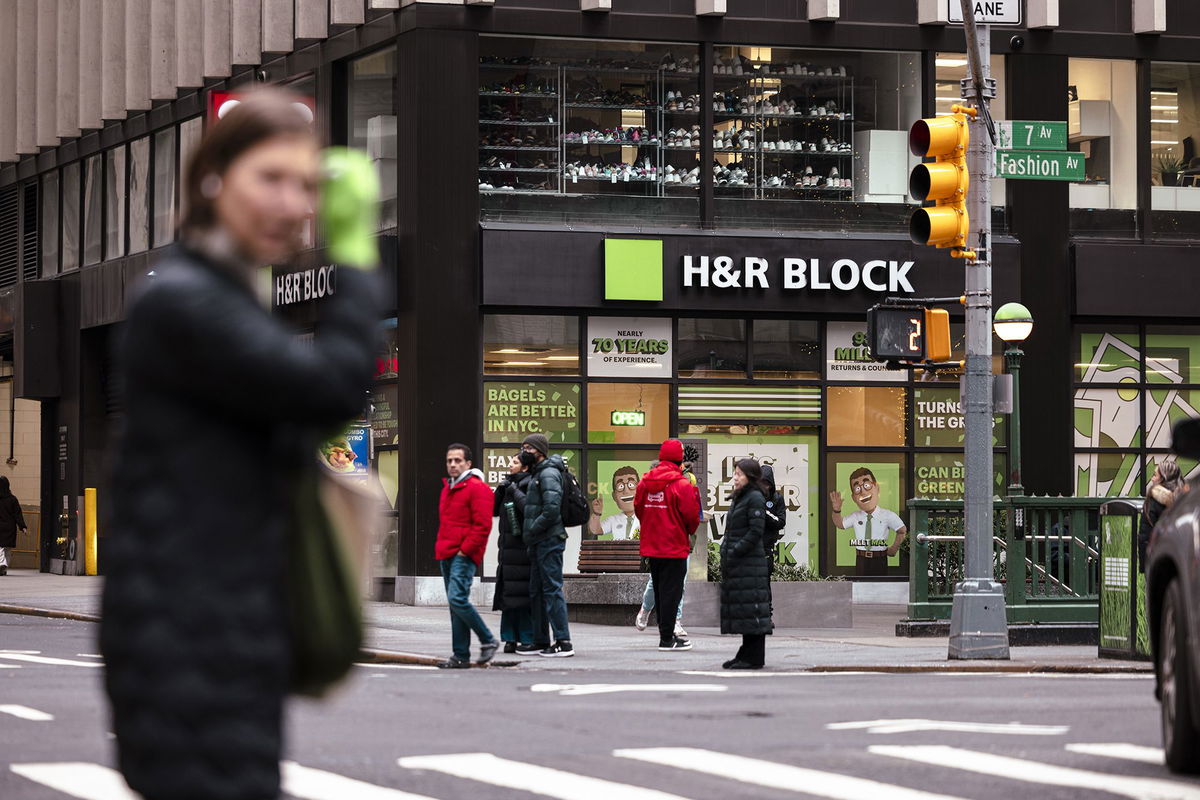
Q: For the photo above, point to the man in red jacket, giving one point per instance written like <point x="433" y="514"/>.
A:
<point x="464" y="524"/>
<point x="668" y="509"/>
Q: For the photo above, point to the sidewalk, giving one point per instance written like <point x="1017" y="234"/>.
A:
<point x="421" y="634"/>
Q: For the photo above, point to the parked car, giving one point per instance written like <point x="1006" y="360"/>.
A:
<point x="1173" y="614"/>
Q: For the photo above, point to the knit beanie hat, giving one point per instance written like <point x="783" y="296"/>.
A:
<point x="539" y="442"/>
<point x="671" y="450"/>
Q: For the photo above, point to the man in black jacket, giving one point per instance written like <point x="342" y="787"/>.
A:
<point x="776" y="518"/>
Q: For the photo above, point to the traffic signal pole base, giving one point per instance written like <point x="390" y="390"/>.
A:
<point x="978" y="625"/>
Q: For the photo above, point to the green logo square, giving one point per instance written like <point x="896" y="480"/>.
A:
<point x="633" y="269"/>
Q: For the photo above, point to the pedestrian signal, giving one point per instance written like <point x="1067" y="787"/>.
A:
<point x="908" y="333"/>
<point x="943" y="182"/>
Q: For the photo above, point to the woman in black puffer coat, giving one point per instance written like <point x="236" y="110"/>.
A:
<point x="745" y="576"/>
<point x="512" y="598"/>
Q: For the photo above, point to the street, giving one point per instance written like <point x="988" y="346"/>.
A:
<point x="403" y="731"/>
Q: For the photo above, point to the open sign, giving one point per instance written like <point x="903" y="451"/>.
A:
<point x="630" y="419"/>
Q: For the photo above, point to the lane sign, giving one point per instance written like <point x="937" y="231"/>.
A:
<point x="989" y="12"/>
<point x="1031" y="135"/>
<point x="1041" y="166"/>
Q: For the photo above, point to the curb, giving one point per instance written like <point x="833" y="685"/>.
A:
<point x="1016" y="669"/>
<point x="50" y="613"/>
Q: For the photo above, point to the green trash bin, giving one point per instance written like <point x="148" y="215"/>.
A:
<point x="1122" y="584"/>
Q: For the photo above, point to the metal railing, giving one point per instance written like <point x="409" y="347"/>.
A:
<point x="1045" y="552"/>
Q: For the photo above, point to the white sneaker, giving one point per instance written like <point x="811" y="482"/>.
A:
<point x="643" y="619"/>
<point x="679" y="631"/>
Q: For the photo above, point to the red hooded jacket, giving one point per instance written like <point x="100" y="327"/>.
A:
<point x="668" y="509"/>
<point x="465" y="518"/>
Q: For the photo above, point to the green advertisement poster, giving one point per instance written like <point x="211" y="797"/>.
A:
<point x="514" y="409"/>
<point x="1115" y="598"/>
<point x="938" y="419"/>
<point x="942" y="476"/>
<point x="874" y="490"/>
<point x="612" y="484"/>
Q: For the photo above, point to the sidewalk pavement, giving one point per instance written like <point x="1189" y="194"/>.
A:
<point x="421" y="634"/>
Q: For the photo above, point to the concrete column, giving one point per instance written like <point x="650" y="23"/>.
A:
<point x="162" y="50"/>
<point x="91" y="63"/>
<point x="47" y="74"/>
<point x="932" y="12"/>
<point x="1043" y="13"/>
<point x="67" y="116"/>
<point x="1149" y="16"/>
<point x="824" y="10"/>
<point x="216" y="39"/>
<point x="278" y="26"/>
<point x="8" y="80"/>
<point x="26" y="98"/>
<point x="137" y="55"/>
<point x="347" y="12"/>
<point x="312" y="19"/>
<point x="189" y="43"/>
<point x="112" y="59"/>
<point x="245" y="32"/>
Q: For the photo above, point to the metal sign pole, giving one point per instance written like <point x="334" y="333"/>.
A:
<point x="978" y="624"/>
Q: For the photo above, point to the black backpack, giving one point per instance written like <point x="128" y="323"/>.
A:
<point x="574" y="504"/>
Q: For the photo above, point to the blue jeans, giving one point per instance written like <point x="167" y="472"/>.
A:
<point x="546" y="592"/>
<point x="648" y="600"/>
<point x="457" y="575"/>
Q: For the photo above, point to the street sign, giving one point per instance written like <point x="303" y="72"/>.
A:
<point x="1016" y="134"/>
<point x="988" y="12"/>
<point x="1041" y="166"/>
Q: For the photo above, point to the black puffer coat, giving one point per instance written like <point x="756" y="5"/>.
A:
<point x="224" y="405"/>
<point x="512" y="576"/>
<point x="11" y="518"/>
<point x="745" y="581"/>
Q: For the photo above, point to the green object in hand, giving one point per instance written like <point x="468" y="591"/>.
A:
<point x="350" y="207"/>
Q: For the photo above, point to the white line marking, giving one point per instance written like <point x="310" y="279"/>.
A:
<point x="776" y="776"/>
<point x="315" y="784"/>
<point x="1128" y="752"/>
<point x="85" y="781"/>
<point x="1019" y="769"/>
<point x="754" y="673"/>
<point x="23" y="652"/>
<point x="487" y="768"/>
<point x="914" y="725"/>
<point x="9" y="666"/>
<point x="25" y="712"/>
<point x="88" y="655"/>
<point x="58" y="662"/>
<point x="395" y="666"/>
<point x="575" y="689"/>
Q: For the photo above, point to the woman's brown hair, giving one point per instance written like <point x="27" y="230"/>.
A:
<point x="262" y="114"/>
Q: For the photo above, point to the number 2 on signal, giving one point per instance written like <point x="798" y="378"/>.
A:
<point x="914" y="335"/>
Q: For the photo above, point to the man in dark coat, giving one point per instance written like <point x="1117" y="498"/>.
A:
<point x="512" y="598"/>
<point x="776" y="517"/>
<point x="546" y="537"/>
<point x="11" y="519"/>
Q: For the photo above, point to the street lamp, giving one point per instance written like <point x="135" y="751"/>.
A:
<point x="1013" y="323"/>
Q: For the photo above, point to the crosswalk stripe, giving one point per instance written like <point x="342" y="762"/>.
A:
<point x="776" y="776"/>
<point x="1020" y="769"/>
<point x="487" y="768"/>
<point x="57" y="662"/>
<point x="78" y="779"/>
<point x="315" y="784"/>
<point x="1127" y="752"/>
<point x="25" y="712"/>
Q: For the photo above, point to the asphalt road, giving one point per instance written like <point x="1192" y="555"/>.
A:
<point x="403" y="733"/>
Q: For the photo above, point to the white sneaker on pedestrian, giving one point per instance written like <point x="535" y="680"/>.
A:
<point x="643" y="619"/>
<point x="679" y="631"/>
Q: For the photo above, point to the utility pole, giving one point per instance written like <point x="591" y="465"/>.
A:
<point x="978" y="624"/>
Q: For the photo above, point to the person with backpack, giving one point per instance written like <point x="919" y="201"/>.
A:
<point x="776" y="518"/>
<point x="668" y="506"/>
<point x="551" y="493"/>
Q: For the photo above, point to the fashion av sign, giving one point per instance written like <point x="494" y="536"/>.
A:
<point x="795" y="274"/>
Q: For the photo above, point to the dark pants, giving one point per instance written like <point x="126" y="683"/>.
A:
<point x="753" y="649"/>
<point x="516" y="625"/>
<point x="874" y="566"/>
<point x="668" y="575"/>
<point x="549" y="606"/>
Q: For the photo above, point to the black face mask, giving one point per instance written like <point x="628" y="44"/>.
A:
<point x="527" y="459"/>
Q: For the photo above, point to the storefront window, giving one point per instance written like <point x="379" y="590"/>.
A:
<point x="1102" y="125"/>
<point x="629" y="347"/>
<point x="50" y="231"/>
<point x="164" y="187"/>
<point x="1108" y="417"/>
<point x="865" y="509"/>
<point x="512" y="410"/>
<point x="70" y="214"/>
<point x="942" y="476"/>
<point x="1165" y="407"/>
<point x="114" y="203"/>
<point x="519" y="344"/>
<point x="1175" y="147"/>
<point x="785" y="349"/>
<point x="938" y="419"/>
<point x="613" y="477"/>
<point x="92" y="209"/>
<point x="1107" y="474"/>
<point x="372" y="113"/>
<point x="712" y="348"/>
<point x="950" y="69"/>
<point x="139" y="194"/>
<point x="847" y="357"/>
<point x="758" y="402"/>
<point x="1172" y="355"/>
<point x="1107" y="355"/>
<point x="866" y="416"/>
<point x="189" y="139"/>
<point x="629" y="413"/>
<point x="572" y="129"/>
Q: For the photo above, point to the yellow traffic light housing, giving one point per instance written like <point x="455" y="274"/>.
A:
<point x="944" y="182"/>
<point x="937" y="335"/>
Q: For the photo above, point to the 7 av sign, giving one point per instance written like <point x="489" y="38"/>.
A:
<point x="989" y="12"/>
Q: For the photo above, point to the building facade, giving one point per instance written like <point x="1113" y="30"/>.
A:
<point x="614" y="222"/>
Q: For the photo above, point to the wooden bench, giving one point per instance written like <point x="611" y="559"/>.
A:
<point x="610" y="556"/>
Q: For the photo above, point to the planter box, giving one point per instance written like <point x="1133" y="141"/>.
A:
<point x="796" y="604"/>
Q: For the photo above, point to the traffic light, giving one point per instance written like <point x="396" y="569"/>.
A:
<point x="944" y="182"/>
<point x="908" y="333"/>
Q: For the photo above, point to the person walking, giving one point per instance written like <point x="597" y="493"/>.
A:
<point x="745" y="582"/>
<point x="668" y="507"/>
<point x="11" y="520"/>
<point x="225" y="409"/>
<point x="512" y="598"/>
<point x="464" y="524"/>
<point x="1166" y="484"/>
<point x="545" y="536"/>
<point x="775" y="519"/>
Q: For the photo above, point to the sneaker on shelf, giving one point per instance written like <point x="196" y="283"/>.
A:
<point x="678" y="643"/>
<point x="560" y="649"/>
<point x="679" y="631"/>
<point x="454" y="663"/>
<point x="530" y="649"/>
<point x="643" y="619"/>
<point x="486" y="651"/>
